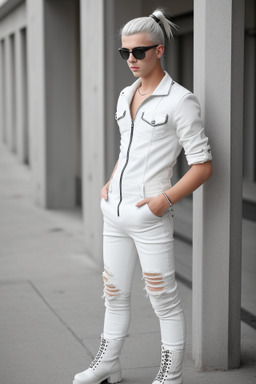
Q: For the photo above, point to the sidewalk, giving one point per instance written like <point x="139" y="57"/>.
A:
<point x="51" y="311"/>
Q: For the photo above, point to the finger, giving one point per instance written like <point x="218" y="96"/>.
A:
<point x="142" y="202"/>
<point x="104" y="194"/>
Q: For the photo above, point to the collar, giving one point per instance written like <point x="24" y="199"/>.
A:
<point x="162" y="89"/>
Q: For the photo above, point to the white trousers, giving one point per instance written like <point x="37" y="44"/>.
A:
<point x="138" y="234"/>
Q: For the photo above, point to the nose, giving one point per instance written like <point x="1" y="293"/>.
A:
<point x="131" y="58"/>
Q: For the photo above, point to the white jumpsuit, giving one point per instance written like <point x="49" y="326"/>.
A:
<point x="167" y="121"/>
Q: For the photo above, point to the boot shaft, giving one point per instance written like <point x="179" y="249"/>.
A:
<point x="106" y="364"/>
<point x="170" y="371"/>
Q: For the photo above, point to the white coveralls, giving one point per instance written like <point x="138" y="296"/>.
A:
<point x="166" y="121"/>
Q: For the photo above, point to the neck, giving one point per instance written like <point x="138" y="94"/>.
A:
<point x="152" y="81"/>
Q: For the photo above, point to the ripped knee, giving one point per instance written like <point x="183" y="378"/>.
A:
<point x="159" y="283"/>
<point x="110" y="289"/>
<point x="154" y="282"/>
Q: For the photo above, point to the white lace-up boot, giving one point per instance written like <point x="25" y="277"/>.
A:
<point x="105" y="366"/>
<point x="170" y="371"/>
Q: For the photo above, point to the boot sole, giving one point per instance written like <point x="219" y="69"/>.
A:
<point x="115" y="378"/>
<point x="112" y="379"/>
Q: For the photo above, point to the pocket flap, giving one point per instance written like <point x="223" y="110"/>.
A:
<point x="154" y="120"/>
<point x="120" y="114"/>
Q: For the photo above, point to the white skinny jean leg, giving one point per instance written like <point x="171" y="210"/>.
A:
<point x="140" y="232"/>
<point x="120" y="259"/>
<point x="156" y="255"/>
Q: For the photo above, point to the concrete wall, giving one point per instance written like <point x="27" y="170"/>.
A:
<point x="61" y="100"/>
<point x="217" y="209"/>
<point x="36" y="92"/>
<point x="93" y="120"/>
<point x="21" y="77"/>
<point x="53" y="100"/>
<point x="12" y="90"/>
<point x="2" y="92"/>
<point x="249" y="153"/>
<point x="117" y="75"/>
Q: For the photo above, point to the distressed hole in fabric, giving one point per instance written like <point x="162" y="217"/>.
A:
<point x="110" y="289"/>
<point x="154" y="282"/>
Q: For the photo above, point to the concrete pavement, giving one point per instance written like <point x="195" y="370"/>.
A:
<point x="51" y="311"/>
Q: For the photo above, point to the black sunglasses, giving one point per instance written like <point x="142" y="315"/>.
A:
<point x="138" y="52"/>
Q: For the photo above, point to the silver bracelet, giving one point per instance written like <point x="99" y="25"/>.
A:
<point x="167" y="198"/>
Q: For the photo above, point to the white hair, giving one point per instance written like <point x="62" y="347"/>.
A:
<point x="156" y="25"/>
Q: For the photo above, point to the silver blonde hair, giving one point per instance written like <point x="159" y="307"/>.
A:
<point x="155" y="24"/>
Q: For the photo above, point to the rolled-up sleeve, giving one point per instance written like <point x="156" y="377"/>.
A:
<point x="190" y="130"/>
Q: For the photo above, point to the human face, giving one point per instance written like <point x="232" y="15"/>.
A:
<point x="144" y="67"/>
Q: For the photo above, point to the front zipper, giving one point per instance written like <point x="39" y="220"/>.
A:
<point x="121" y="176"/>
<point x="127" y="155"/>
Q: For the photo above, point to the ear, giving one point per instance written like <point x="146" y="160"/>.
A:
<point x="160" y="51"/>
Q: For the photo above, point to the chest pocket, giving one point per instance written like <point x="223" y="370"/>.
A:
<point x="156" y="124"/>
<point x="122" y="121"/>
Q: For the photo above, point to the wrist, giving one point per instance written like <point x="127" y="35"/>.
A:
<point x="164" y="202"/>
<point x="167" y="198"/>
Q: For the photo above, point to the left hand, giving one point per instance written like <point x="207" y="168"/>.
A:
<point x="157" y="205"/>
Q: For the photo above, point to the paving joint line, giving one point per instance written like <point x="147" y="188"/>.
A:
<point x="59" y="317"/>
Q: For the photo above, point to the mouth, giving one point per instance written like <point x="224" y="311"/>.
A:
<point x="134" y="69"/>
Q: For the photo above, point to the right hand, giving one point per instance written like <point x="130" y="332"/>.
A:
<point x="104" y="191"/>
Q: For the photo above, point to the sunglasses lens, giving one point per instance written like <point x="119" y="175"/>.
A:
<point x="138" y="53"/>
<point x="124" y="53"/>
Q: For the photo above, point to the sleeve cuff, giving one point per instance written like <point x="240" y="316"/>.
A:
<point x="202" y="156"/>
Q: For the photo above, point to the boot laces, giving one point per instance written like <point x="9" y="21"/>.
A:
<point x="166" y="361"/>
<point x="101" y="352"/>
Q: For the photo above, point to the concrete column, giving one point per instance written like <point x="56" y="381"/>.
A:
<point x="2" y="92"/>
<point x="36" y="94"/>
<point x="12" y="109"/>
<point x="9" y="93"/>
<point x="21" y="95"/>
<point x="61" y="97"/>
<point x="100" y="23"/>
<point x="53" y="119"/>
<point x="249" y="155"/>
<point x="92" y="109"/>
<point x="218" y="80"/>
<point x="117" y="74"/>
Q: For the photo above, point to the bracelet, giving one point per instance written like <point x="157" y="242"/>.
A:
<point x="167" y="198"/>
